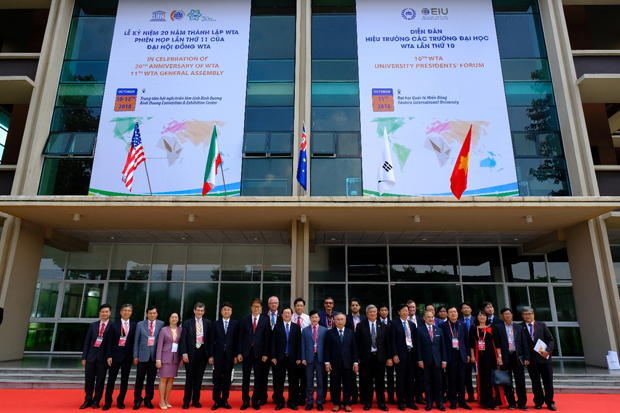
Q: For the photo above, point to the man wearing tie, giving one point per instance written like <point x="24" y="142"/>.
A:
<point x="144" y="356"/>
<point x="374" y="352"/>
<point x="94" y="357"/>
<point x="302" y="320"/>
<point x="540" y="366"/>
<point x="432" y="358"/>
<point x="274" y="318"/>
<point x="419" y="374"/>
<point x="195" y="342"/>
<point x="384" y="314"/>
<point x="223" y="351"/>
<point x="490" y="310"/>
<point x="468" y="321"/>
<point x="254" y="342"/>
<point x="119" y="353"/>
<point x="404" y="346"/>
<point x="312" y="345"/>
<point x="353" y="319"/>
<point x="341" y="361"/>
<point x="456" y="336"/>
<point x="285" y="356"/>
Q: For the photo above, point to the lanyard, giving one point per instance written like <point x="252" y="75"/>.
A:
<point x="484" y="335"/>
<point x="452" y="331"/>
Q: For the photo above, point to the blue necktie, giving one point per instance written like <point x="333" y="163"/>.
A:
<point x="286" y="338"/>
<point x="273" y="320"/>
<point x="225" y="327"/>
<point x="341" y="336"/>
<point x="467" y="321"/>
<point x="531" y="333"/>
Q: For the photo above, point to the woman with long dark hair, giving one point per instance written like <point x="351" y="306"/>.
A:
<point x="168" y="359"/>
<point x="483" y="351"/>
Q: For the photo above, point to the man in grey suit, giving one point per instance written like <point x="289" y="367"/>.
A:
<point x="312" y="340"/>
<point x="144" y="349"/>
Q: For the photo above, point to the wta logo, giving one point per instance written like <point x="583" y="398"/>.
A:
<point x="177" y="15"/>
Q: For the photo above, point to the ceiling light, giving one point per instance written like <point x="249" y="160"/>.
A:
<point x="416" y="219"/>
<point x="111" y="237"/>
<point x="76" y="217"/>
<point x="183" y="238"/>
<point x="528" y="219"/>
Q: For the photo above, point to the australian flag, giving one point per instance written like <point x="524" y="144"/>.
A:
<point x="302" y="165"/>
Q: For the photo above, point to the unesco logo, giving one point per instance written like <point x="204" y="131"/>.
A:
<point x="408" y="14"/>
<point x="177" y="15"/>
<point x="426" y="11"/>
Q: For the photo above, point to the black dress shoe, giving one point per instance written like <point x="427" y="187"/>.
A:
<point x="149" y="405"/>
<point x="308" y="407"/>
<point x="225" y="405"/>
<point x="465" y="406"/>
<point x="367" y="407"/>
<point x="279" y="406"/>
<point x="136" y="406"/>
<point x="292" y="406"/>
<point x="186" y="406"/>
<point x="262" y="402"/>
<point x="106" y="407"/>
<point x="319" y="407"/>
<point x="524" y="408"/>
<point x="552" y="407"/>
<point x="95" y="405"/>
<point x="215" y="406"/>
<point x="538" y="407"/>
<point x="401" y="407"/>
<point x="244" y="406"/>
<point x="428" y="408"/>
<point x="85" y="405"/>
<point x="452" y="407"/>
<point x="256" y="406"/>
<point x="443" y="409"/>
<point x="197" y="405"/>
<point x="120" y="405"/>
<point x="420" y="400"/>
<point x="412" y="406"/>
<point x="383" y="407"/>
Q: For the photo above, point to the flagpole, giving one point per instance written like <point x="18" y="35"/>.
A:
<point x="147" y="176"/>
<point x="223" y="180"/>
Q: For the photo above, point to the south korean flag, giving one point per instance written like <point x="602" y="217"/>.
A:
<point x="386" y="169"/>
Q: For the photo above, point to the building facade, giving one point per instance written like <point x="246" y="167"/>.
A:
<point x="552" y="246"/>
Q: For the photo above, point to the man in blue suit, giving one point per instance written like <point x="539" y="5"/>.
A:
<point x="312" y="356"/>
<point x="144" y="349"/>
<point x="195" y="341"/>
<point x="456" y="337"/>
<point x="94" y="359"/>
<point x="119" y="353"/>
<point x="432" y="358"/>
<point x="404" y="346"/>
<point x="285" y="356"/>
<point x="223" y="350"/>
<point x="341" y="361"/>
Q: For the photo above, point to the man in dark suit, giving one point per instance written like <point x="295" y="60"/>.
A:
<point x="490" y="310"/>
<point x="223" y="348"/>
<point x="432" y="358"/>
<point x="431" y="308"/>
<point x="312" y="356"/>
<point x="254" y="341"/>
<point x="456" y="336"/>
<point x="119" y="353"/>
<point x="513" y="354"/>
<point x="144" y="356"/>
<point x="94" y="357"/>
<point x="274" y="317"/>
<point x="341" y="361"/>
<point x="540" y="366"/>
<point x="285" y="356"/>
<point x="374" y="352"/>
<point x="468" y="320"/>
<point x="195" y="342"/>
<point x="353" y="319"/>
<point x="417" y="371"/>
<point x="384" y="314"/>
<point x="404" y="346"/>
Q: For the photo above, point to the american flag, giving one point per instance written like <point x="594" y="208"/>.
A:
<point x="134" y="158"/>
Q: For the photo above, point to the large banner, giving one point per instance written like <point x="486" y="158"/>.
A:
<point x="177" y="69"/>
<point x="428" y="70"/>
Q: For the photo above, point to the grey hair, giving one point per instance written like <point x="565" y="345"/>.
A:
<point x="370" y="307"/>
<point x="527" y="309"/>
<point x="127" y="305"/>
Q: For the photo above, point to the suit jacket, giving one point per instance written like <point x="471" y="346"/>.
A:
<point x="278" y="342"/>
<point x="323" y="317"/>
<point x="141" y="350"/>
<point x="121" y="353"/>
<point x="278" y="318"/>
<point x="419" y="320"/>
<point x="340" y="354"/>
<point x="431" y="352"/>
<point x="463" y="336"/>
<point x="541" y="331"/>
<point x="188" y="343"/>
<point x="349" y="322"/>
<point x="307" y="344"/>
<point x="164" y="346"/>
<point x="399" y="341"/>
<point x="471" y="322"/>
<point x="224" y="343"/>
<point x="261" y="338"/>
<point x="90" y="353"/>
<point x="364" y="342"/>
<point x="496" y="320"/>
<point x="501" y="341"/>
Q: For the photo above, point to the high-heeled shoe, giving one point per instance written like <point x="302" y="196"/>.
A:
<point x="163" y="406"/>
<point x="168" y="404"/>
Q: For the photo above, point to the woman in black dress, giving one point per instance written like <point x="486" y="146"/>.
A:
<point x="483" y="351"/>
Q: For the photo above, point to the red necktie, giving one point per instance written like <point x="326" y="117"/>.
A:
<point x="299" y="321"/>
<point x="101" y="329"/>
<point x="254" y="326"/>
<point x="151" y="329"/>
<point x="430" y="332"/>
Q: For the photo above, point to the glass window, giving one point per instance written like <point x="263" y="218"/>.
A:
<point x="542" y="177"/>
<point x="65" y="176"/>
<point x="70" y="144"/>
<point x="130" y="262"/>
<point x="318" y="293"/>
<point x="260" y="119"/>
<point x="565" y="303"/>
<point x="539" y="297"/>
<point x="255" y="143"/>
<point x="277" y="263"/>
<point x="82" y="300"/>
<point x="271" y="71"/>
<point x="84" y="72"/>
<point x="423" y="264"/>
<point x="559" y="270"/>
<point x="91" y="265"/>
<point x="242" y="263"/>
<point x="367" y="263"/>
<point x="327" y="264"/>
<point x="203" y="263"/>
<point x="518" y="299"/>
<point x="70" y="336"/>
<point x="528" y="93"/>
<point x="323" y="144"/>
<point x="335" y="94"/>
<point x="45" y="299"/>
<point x="570" y="338"/>
<point x="39" y="337"/>
<point x="168" y="263"/>
<point x="281" y="144"/>
<point x="538" y="117"/>
<point x="205" y="293"/>
<point x="242" y="295"/>
<point x="95" y="8"/>
<point x="76" y="119"/>
<point x="336" y="177"/>
<point x="518" y="267"/>
<point x="120" y="293"/>
<point x="270" y="94"/>
<point x="167" y="297"/>
<point x="525" y="69"/>
<point x="90" y="38"/>
<point x="272" y="37"/>
<point x="282" y="291"/>
<point x="477" y="294"/>
<point x="369" y="294"/>
<point x="334" y="70"/>
<point x="524" y="6"/>
<point x="79" y="95"/>
<point x="422" y="294"/>
<point x="267" y="177"/>
<point x="336" y="119"/>
<point x="334" y="36"/>
<point x="349" y="145"/>
<point x="480" y="264"/>
<point x="530" y="44"/>
<point x="52" y="265"/>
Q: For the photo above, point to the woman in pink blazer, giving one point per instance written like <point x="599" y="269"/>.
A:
<point x="168" y="359"/>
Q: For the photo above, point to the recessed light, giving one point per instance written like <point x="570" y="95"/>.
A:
<point x="111" y="237"/>
<point x="255" y="238"/>
<point x="332" y="239"/>
<point x="183" y="238"/>
<point x="423" y="239"/>
<point x="515" y="239"/>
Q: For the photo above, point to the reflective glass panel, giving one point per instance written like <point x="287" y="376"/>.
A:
<point x="422" y="294"/>
<point x="369" y="294"/>
<point x="282" y="291"/>
<point x="82" y="300"/>
<point x="423" y="264"/>
<point x="52" y="265"/>
<point x="45" y="299"/>
<point x="334" y="36"/>
<point x="518" y="267"/>
<point x="76" y="119"/>
<point x="270" y="94"/>
<point x="336" y="177"/>
<point x="65" y="176"/>
<point x="120" y="293"/>
<point x="539" y="297"/>
<point x="559" y="270"/>
<point x="203" y="263"/>
<point x="39" y="337"/>
<point x="167" y="297"/>
<point x="205" y="293"/>
<point x="255" y="143"/>
<point x="80" y="95"/>
<point x="334" y="70"/>
<point x="522" y="6"/>
<point x="84" y="72"/>
<point x="70" y="336"/>
<point x="323" y="143"/>
<point x="260" y="119"/>
<point x="318" y="293"/>
<point x="518" y="300"/>
<point x="525" y="69"/>
<point x="367" y="263"/>
<point x="272" y="37"/>
<point x="93" y="298"/>
<point x="480" y="264"/>
<point x="542" y="177"/>
<point x="271" y="70"/>
<point x="538" y="117"/>
<point x="565" y="303"/>
<point x="91" y="265"/>
<point x="530" y="44"/>
<point x="349" y="144"/>
<point x="90" y="38"/>
<point x="327" y="264"/>
<point x="242" y="263"/>
<point x="168" y="263"/>
<point x="526" y="93"/>
<point x="281" y="144"/>
<point x="241" y="296"/>
<point x="335" y="94"/>
<point x="477" y="294"/>
<point x="267" y="177"/>
<point x="336" y="119"/>
<point x="277" y="263"/>
<point x="570" y="338"/>
<point x="130" y="262"/>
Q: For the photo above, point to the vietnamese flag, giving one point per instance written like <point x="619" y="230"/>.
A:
<point x="458" y="180"/>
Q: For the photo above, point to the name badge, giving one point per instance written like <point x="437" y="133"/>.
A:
<point x="151" y="341"/>
<point x="175" y="347"/>
<point x="98" y="341"/>
<point x="122" y="340"/>
<point x="481" y="345"/>
<point x="455" y="343"/>
<point x="201" y="339"/>
<point x="511" y="346"/>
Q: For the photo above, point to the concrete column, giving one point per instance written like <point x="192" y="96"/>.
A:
<point x="300" y="255"/>
<point x="21" y="248"/>
<point x="303" y="88"/>
<point x="595" y="289"/>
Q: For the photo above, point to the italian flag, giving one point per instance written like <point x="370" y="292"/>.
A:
<point x="214" y="161"/>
